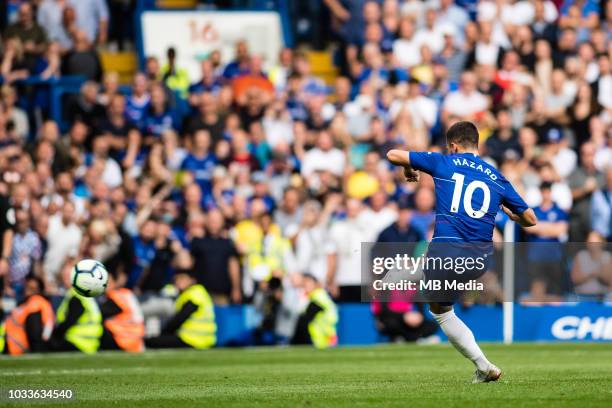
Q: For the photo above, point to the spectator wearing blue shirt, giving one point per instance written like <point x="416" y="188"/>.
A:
<point x="544" y="252"/>
<point x="138" y="103"/>
<point x="424" y="215"/>
<point x="158" y="118"/>
<point x="144" y="252"/>
<point x="240" y="65"/>
<point x="580" y="15"/>
<point x="208" y="83"/>
<point x="200" y="161"/>
<point x="401" y="230"/>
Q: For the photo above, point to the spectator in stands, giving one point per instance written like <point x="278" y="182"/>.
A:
<point x="345" y="238"/>
<point x="83" y="59"/>
<point x="584" y="181"/>
<point x="14" y="64"/>
<point x="311" y="238"/>
<point x="402" y="229"/>
<point x="86" y="108"/>
<point x="423" y="216"/>
<point x="466" y="103"/>
<point x="216" y="263"/>
<point x="504" y="139"/>
<point x="63" y="240"/>
<point x="240" y="63"/>
<point x="601" y="208"/>
<point x="158" y="118"/>
<point x="591" y="272"/>
<point x="55" y="17"/>
<point x="15" y="115"/>
<point x="288" y="215"/>
<point x="92" y="18"/>
<point x="544" y="251"/>
<point x="122" y="134"/>
<point x="138" y="101"/>
<point x="209" y="82"/>
<point x="31" y="36"/>
<point x="26" y="253"/>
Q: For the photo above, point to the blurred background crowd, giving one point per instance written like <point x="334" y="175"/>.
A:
<point x="260" y="172"/>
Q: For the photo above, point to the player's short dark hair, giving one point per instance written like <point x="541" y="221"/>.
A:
<point x="464" y="134"/>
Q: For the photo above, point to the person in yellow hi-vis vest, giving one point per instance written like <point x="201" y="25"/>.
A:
<point x="79" y="324"/>
<point x="317" y="324"/>
<point x="193" y="323"/>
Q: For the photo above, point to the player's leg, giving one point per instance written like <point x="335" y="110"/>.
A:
<point x="462" y="338"/>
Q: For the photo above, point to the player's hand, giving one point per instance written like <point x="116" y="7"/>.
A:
<point x="510" y="214"/>
<point x="411" y="175"/>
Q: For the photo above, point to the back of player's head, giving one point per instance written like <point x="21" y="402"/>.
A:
<point x="463" y="134"/>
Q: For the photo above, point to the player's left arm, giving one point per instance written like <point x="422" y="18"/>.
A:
<point x="525" y="219"/>
<point x="412" y="162"/>
<point x="516" y="208"/>
<point x="402" y="158"/>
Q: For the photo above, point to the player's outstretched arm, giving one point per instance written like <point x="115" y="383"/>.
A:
<point x="399" y="157"/>
<point x="526" y="219"/>
<point x="402" y="158"/>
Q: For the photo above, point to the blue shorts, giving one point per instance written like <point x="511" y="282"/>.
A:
<point x="452" y="264"/>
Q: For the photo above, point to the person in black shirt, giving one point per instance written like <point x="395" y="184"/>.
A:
<point x="216" y="262"/>
<point x="504" y="139"/>
<point x="401" y="230"/>
<point x="85" y="108"/>
<point x="7" y="224"/>
<point x="124" y="136"/>
<point x="158" y="274"/>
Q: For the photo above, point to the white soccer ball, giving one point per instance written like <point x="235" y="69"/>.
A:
<point x="89" y="278"/>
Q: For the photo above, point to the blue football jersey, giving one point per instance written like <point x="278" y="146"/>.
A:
<point x="469" y="193"/>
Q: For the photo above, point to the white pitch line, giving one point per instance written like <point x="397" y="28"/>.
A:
<point x="56" y="372"/>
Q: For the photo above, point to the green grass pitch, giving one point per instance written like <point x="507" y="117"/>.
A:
<point x="544" y="375"/>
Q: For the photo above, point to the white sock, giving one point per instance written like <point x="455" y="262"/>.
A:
<point x="462" y="338"/>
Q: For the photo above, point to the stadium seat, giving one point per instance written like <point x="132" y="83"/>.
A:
<point x="322" y="65"/>
<point x="124" y="63"/>
<point x="176" y="4"/>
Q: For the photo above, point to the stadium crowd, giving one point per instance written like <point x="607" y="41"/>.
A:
<point x="261" y="173"/>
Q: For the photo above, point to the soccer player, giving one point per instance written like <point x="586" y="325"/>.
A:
<point x="469" y="193"/>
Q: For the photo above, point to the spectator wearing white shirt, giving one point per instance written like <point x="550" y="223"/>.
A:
<point x="324" y="158"/>
<point x="405" y="49"/>
<point x="487" y="51"/>
<point x="344" y="265"/>
<point x="430" y="35"/>
<point x="423" y="110"/>
<point x="111" y="171"/>
<point x="466" y="102"/>
<point x="311" y="242"/>
<point x="450" y="13"/>
<point x="63" y="241"/>
<point x="378" y="215"/>
<point x="560" y="191"/>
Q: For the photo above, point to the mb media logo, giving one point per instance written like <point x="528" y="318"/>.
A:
<point x="580" y="328"/>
